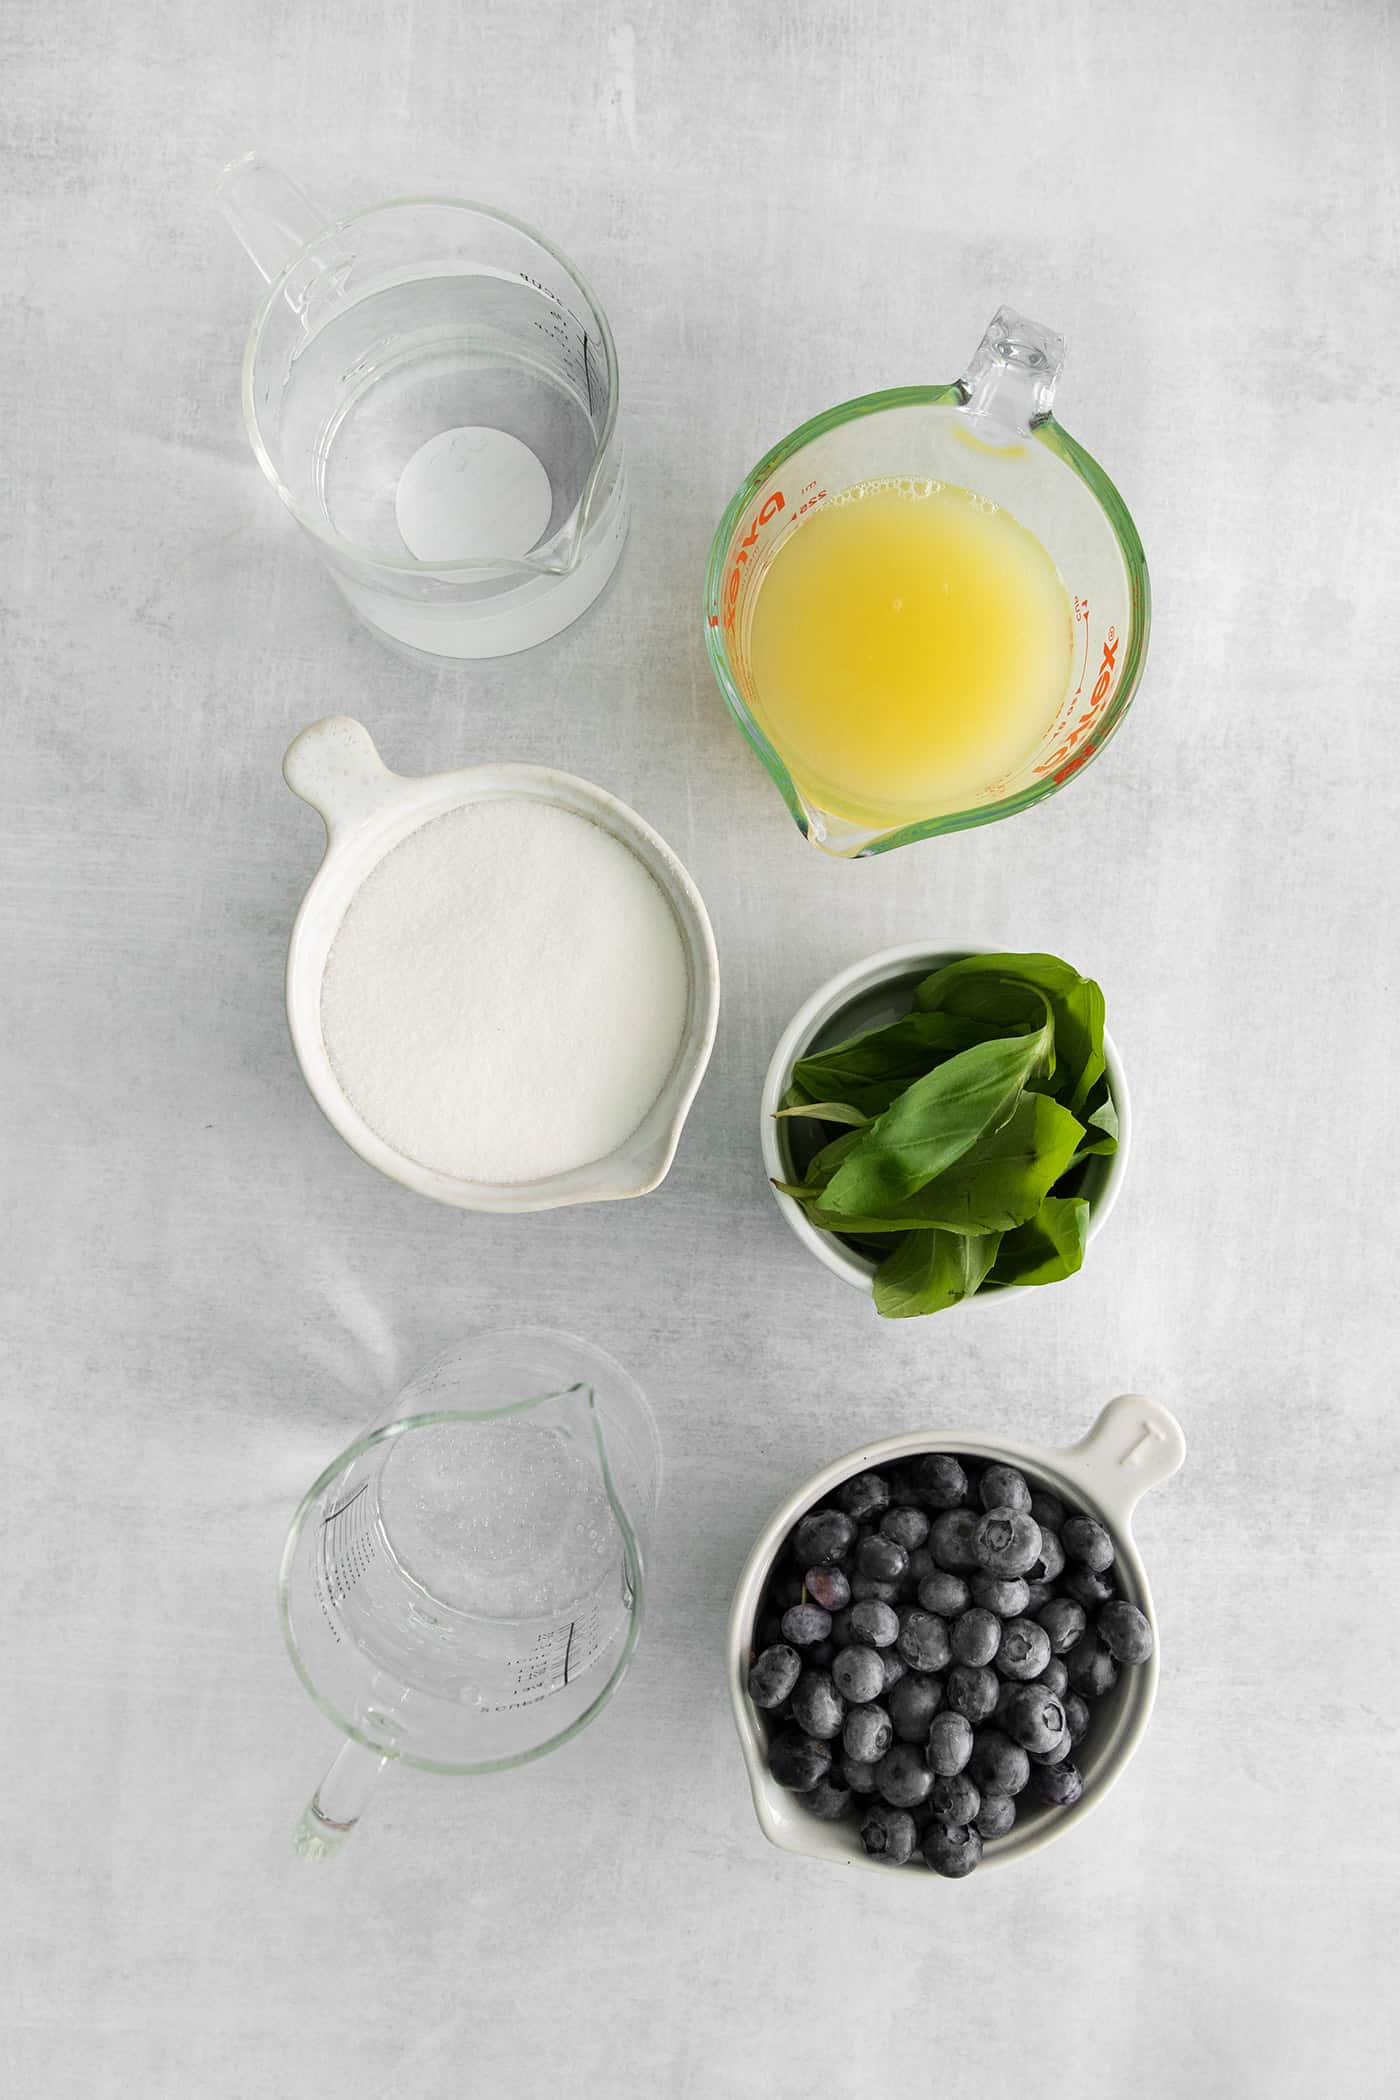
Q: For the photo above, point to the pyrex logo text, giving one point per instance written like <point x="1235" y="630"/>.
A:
<point x="731" y="586"/>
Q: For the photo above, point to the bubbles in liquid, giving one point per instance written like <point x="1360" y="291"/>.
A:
<point x="503" y="1520"/>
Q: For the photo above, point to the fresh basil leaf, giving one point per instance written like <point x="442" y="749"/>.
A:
<point x="1049" y="1247"/>
<point x="934" y="1121"/>
<point x="998" y="1183"/>
<point x="826" y="1112"/>
<point x="872" y="1070"/>
<point x="823" y="1164"/>
<point x="980" y="982"/>
<point x="929" y="1271"/>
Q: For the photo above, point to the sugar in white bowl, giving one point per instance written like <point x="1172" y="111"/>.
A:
<point x="507" y="993"/>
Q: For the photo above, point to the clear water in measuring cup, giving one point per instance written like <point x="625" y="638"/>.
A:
<point x="490" y="1569"/>
<point x="445" y="418"/>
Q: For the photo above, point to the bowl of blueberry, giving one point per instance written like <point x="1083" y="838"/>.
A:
<point x="943" y="1650"/>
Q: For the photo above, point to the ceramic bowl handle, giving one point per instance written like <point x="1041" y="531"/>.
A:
<point x="334" y="766"/>
<point x="1135" y="1444"/>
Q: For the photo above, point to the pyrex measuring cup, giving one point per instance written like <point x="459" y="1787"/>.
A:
<point x="462" y="1588"/>
<point x="431" y="388"/>
<point x="990" y="432"/>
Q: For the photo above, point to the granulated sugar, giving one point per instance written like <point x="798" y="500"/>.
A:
<point x="507" y="993"/>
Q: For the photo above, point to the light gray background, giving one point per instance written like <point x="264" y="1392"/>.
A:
<point x="205" y="1294"/>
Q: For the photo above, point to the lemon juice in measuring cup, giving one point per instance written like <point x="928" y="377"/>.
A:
<point x="928" y="608"/>
<point x="462" y="1589"/>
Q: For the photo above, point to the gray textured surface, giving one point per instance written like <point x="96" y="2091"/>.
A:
<point x="203" y="1293"/>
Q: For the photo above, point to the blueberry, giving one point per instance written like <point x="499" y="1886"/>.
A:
<point x="951" y="1849"/>
<point x="817" y="1706"/>
<point x="921" y="1566"/>
<point x="841" y="1635"/>
<point x="950" y="1540"/>
<point x="823" y="1537"/>
<point x="1008" y="1598"/>
<point x="937" y="1480"/>
<point x="888" y="1834"/>
<point x="1077" y="1715"/>
<point x="1088" y="1587"/>
<point x="858" y="1777"/>
<point x="1002" y="1487"/>
<point x="805" y="1623"/>
<point x="1055" y="1756"/>
<point x="867" y="1735"/>
<point x="902" y="1776"/>
<point x="1024" y="1649"/>
<point x="773" y="1676"/>
<point x="1064" y="1621"/>
<point x="1092" y="1670"/>
<point x="954" y="1799"/>
<point x="997" y="1763"/>
<point x="923" y="1641"/>
<point x="828" y="1800"/>
<point x="1047" y="1509"/>
<point x="863" y="1496"/>
<point x="1087" y="1542"/>
<point x="798" y="1763"/>
<point x="1054" y="1677"/>
<point x="974" y="1635"/>
<point x="972" y="1692"/>
<point x="907" y="1527"/>
<point x="828" y="1587"/>
<point x="949" y="1744"/>
<point x="1007" y="1688"/>
<point x="874" y="1623"/>
<point x="894" y="1667"/>
<point x="865" y="1589"/>
<point x="1034" y="1717"/>
<point x="858" y="1675"/>
<point x="947" y="1596"/>
<point x="1006" y="1542"/>
<point x="912" y="1705"/>
<point x="1059" y="1784"/>
<point x="1125" y="1633"/>
<point x="1052" y="1557"/>
<point x="882" y="1559"/>
<point x="996" y="1814"/>
<point x="1038" y="1595"/>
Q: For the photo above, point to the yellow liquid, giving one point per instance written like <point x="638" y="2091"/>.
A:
<point x="909" y="648"/>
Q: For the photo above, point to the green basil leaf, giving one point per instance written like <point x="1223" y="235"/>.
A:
<point x="934" y="1121"/>
<point x="982" y="983"/>
<point x="872" y="1070"/>
<point x="929" y="1271"/>
<point x="825" y="1112"/>
<point x="1049" y="1247"/>
<point x="998" y="1183"/>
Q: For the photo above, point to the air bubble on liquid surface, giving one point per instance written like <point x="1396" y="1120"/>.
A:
<point x="507" y="1520"/>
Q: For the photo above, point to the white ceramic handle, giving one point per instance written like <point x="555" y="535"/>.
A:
<point x="1135" y="1444"/>
<point x="334" y="766"/>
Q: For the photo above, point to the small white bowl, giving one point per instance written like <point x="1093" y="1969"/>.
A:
<point x="368" y="811"/>
<point x="1135" y="1444"/>
<point x="882" y="986"/>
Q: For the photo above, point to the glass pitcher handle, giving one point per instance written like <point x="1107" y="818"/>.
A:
<point x="1010" y="383"/>
<point x="338" y="1802"/>
<point x="272" y="218"/>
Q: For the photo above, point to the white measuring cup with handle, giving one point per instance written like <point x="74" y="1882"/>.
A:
<point x="431" y="388"/>
<point x="463" y="1587"/>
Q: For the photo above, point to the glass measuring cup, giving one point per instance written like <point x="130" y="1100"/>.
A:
<point x="431" y="388"/>
<point x="462" y="1588"/>
<point x="990" y="432"/>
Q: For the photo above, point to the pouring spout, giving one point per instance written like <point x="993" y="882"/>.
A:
<point x="272" y="218"/>
<point x="1010" y="383"/>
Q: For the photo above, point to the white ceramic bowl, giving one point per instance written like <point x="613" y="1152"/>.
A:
<point x="368" y="811"/>
<point x="871" y="993"/>
<point x="1135" y="1444"/>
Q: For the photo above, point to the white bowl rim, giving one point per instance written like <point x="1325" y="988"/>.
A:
<point x="367" y="810"/>
<point x="812" y="1016"/>
<point x="1134" y="1444"/>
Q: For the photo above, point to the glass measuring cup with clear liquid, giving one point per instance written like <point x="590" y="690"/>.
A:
<point x="432" y="390"/>
<point x="928" y="608"/>
<point x="462" y="1589"/>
